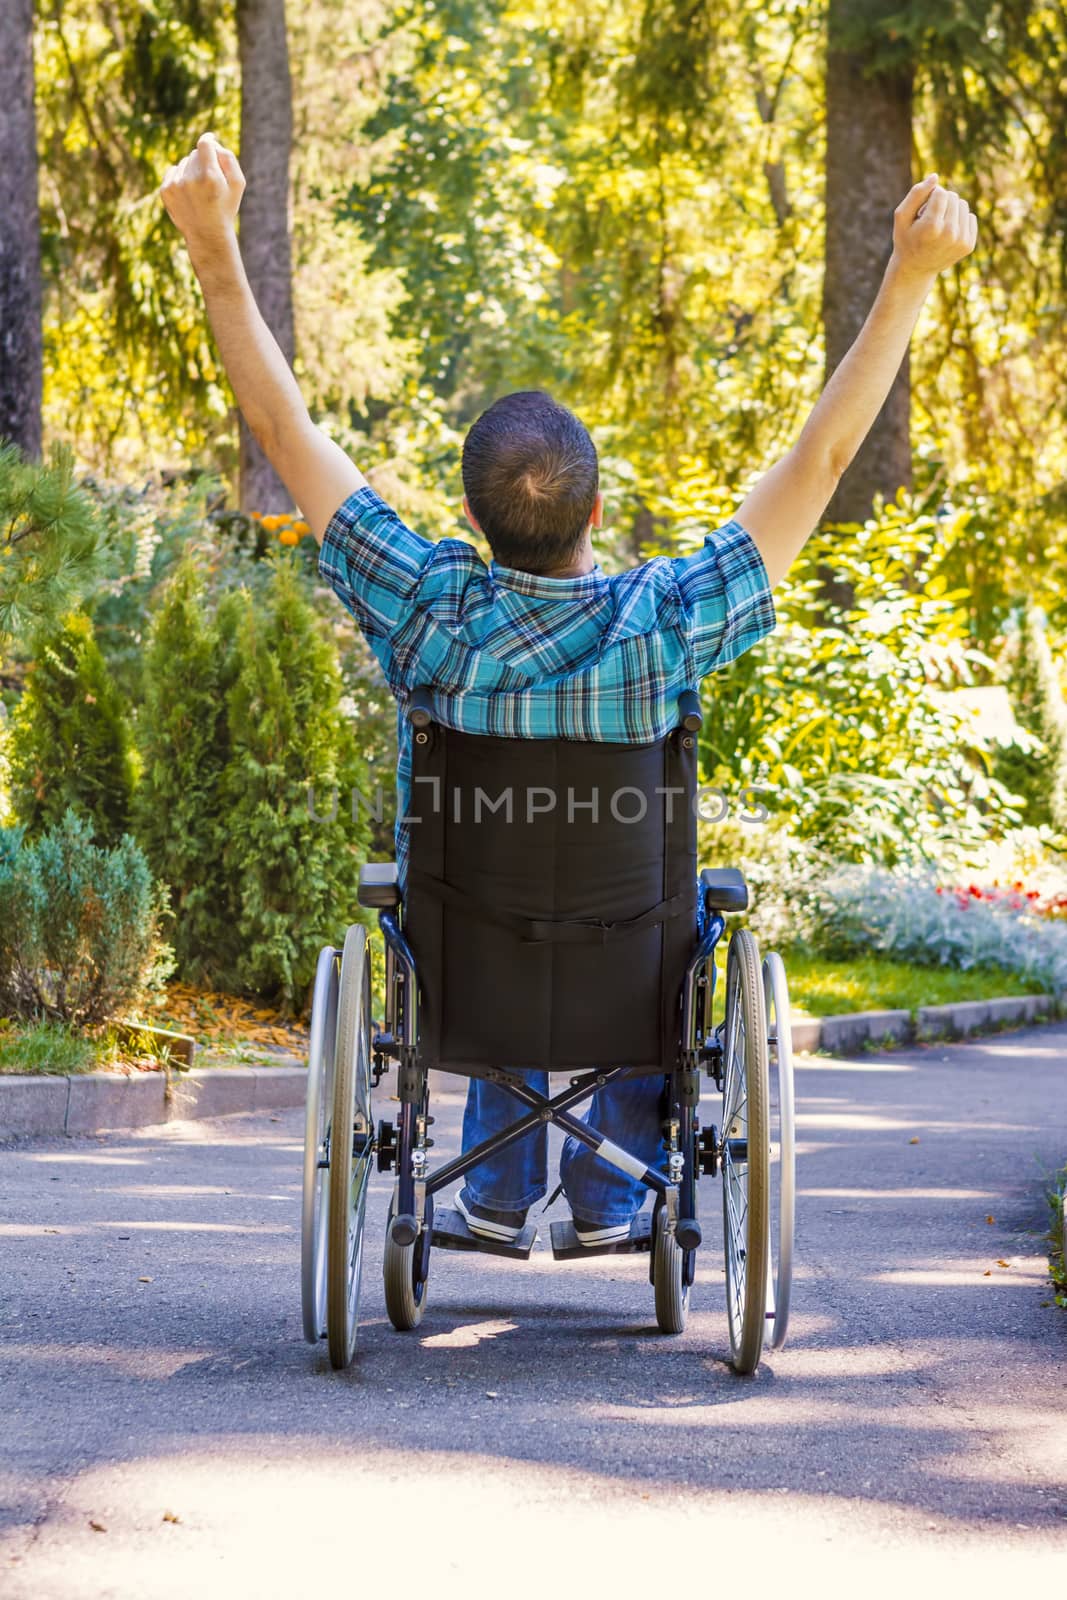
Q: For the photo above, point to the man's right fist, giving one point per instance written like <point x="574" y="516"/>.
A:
<point x="932" y="228"/>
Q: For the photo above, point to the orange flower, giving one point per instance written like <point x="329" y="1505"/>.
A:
<point x="288" y="536"/>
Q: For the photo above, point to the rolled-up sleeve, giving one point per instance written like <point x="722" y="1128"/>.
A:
<point x="725" y="595"/>
<point x="373" y="561"/>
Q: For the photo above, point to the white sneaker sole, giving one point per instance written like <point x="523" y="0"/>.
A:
<point x="614" y="1233"/>
<point x="500" y="1232"/>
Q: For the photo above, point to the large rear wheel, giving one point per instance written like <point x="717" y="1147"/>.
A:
<point x="318" y="1111"/>
<point x="351" y="1148"/>
<point x="783" y="1147"/>
<point x="744" y="1152"/>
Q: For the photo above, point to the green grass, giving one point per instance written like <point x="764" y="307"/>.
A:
<point x="822" y="988"/>
<point x="45" y="1047"/>
<point x="873" y="983"/>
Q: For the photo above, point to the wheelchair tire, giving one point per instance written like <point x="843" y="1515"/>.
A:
<point x="351" y="1149"/>
<point x="744" y="1156"/>
<point x="318" y="1111"/>
<point x="783" y="1146"/>
<point x="668" y="1277"/>
<point x="405" y="1290"/>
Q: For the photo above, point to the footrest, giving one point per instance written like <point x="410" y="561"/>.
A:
<point x="566" y="1246"/>
<point x="450" y="1232"/>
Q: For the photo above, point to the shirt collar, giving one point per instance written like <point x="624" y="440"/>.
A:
<point x="536" y="584"/>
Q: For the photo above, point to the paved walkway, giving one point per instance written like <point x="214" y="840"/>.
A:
<point x="166" y="1432"/>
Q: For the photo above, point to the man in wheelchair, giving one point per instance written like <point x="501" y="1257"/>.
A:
<point x="544" y="913"/>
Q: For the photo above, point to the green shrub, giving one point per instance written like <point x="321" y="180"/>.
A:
<point x="242" y="717"/>
<point x="184" y="747"/>
<point x="79" y="925"/>
<point x="70" y="743"/>
<point x="291" y="877"/>
<point x="1039" y="772"/>
<point x="1057" y="1260"/>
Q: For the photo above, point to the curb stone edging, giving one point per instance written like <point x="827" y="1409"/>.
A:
<point x="853" y="1030"/>
<point x="104" y="1102"/>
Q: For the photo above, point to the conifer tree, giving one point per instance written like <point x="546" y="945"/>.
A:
<point x="71" y="744"/>
<point x="184" y="746"/>
<point x="293" y="877"/>
<point x="1039" y="775"/>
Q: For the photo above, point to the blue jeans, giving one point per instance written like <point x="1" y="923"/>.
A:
<point x="627" y="1112"/>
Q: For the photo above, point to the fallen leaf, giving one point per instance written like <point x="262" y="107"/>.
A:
<point x="913" y="1141"/>
<point x="171" y="1516"/>
<point x="1002" y="1263"/>
<point x="991" y="1219"/>
<point x="144" y="1280"/>
<point x="988" y="1273"/>
<point x="97" y="1527"/>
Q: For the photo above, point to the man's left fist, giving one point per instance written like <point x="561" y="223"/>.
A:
<point x="203" y="192"/>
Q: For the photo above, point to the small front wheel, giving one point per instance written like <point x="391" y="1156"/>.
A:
<point x="668" y="1277"/>
<point x="405" y="1285"/>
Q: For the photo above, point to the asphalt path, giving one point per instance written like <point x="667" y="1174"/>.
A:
<point x="167" y="1432"/>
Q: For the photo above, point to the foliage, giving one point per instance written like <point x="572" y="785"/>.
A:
<point x="184" y="746"/>
<point x="291" y="872"/>
<point x="79" y="925"/>
<point x="1039" y="771"/>
<point x="843" y="723"/>
<point x="70" y="744"/>
<point x="907" y="915"/>
<point x="243" y="729"/>
<point x="49" y="539"/>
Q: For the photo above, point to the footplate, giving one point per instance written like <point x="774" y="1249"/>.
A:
<point x="566" y="1245"/>
<point x="450" y="1232"/>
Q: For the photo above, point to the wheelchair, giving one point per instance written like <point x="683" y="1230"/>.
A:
<point x="551" y="920"/>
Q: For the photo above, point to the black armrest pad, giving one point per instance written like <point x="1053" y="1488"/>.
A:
<point x="378" y="887"/>
<point x="724" y="889"/>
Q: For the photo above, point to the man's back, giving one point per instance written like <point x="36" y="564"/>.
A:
<point x="519" y="654"/>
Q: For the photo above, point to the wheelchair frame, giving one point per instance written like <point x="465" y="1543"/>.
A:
<point x="347" y="1058"/>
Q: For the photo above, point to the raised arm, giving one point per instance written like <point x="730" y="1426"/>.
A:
<point x="932" y="228"/>
<point x="202" y="195"/>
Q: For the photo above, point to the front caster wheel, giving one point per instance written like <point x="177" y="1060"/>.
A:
<point x="668" y="1277"/>
<point x="405" y="1276"/>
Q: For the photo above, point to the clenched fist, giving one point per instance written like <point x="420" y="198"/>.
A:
<point x="933" y="228"/>
<point x="203" y="192"/>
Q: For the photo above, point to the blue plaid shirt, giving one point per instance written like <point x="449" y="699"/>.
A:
<point x="512" y="653"/>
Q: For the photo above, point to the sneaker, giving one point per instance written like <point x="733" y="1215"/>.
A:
<point x="503" y="1227"/>
<point x="601" y="1233"/>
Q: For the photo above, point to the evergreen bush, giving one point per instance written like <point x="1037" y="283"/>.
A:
<point x="242" y="720"/>
<point x="79" y="925"/>
<point x="71" y="744"/>
<point x="292" y="877"/>
<point x="1037" y="772"/>
<point x="184" y="746"/>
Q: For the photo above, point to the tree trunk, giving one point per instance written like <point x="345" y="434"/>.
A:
<point x="20" y="240"/>
<point x="868" y="171"/>
<point x="266" y="136"/>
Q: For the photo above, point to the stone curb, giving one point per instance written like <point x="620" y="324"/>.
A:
<point x="103" y="1102"/>
<point x="854" y="1030"/>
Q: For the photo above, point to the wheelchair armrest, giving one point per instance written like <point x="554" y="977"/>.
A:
<point x="724" y="889"/>
<point x="378" y="888"/>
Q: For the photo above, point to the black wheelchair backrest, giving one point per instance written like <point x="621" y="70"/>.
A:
<point x="551" y="895"/>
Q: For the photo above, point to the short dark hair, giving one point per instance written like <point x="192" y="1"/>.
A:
<point x="530" y="476"/>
